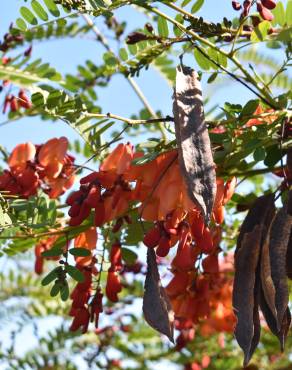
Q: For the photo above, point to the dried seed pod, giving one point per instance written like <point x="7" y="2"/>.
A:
<point x="156" y="306"/>
<point x="279" y="239"/>
<point x="289" y="258"/>
<point x="244" y="299"/>
<point x="272" y="322"/>
<point x="268" y="286"/>
<point x="194" y="147"/>
<point x="259" y="212"/>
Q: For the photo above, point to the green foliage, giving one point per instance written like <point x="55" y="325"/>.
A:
<point x="240" y="150"/>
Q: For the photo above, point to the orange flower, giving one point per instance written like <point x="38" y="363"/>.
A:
<point x="113" y="286"/>
<point x="20" y="155"/>
<point x="87" y="240"/>
<point x="119" y="160"/>
<point x="51" y="156"/>
<point x="41" y="247"/>
<point x="260" y="121"/>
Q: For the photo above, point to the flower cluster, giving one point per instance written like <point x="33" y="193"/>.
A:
<point x="43" y="246"/>
<point x="202" y="299"/>
<point x="14" y="103"/>
<point x="32" y="167"/>
<point x="106" y="192"/>
<point x="113" y="283"/>
<point x="264" y="7"/>
<point x="11" y="101"/>
<point x="161" y="194"/>
<point x="86" y="308"/>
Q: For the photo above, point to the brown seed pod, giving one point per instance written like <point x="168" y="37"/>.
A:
<point x="194" y="146"/>
<point x="156" y="306"/>
<point x="279" y="239"/>
<point x="244" y="299"/>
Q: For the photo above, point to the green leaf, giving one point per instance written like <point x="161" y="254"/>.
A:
<point x="132" y="49"/>
<point x="123" y="54"/>
<point x="185" y="3"/>
<point x="80" y="252"/>
<point x="52" y="7"/>
<point x="197" y="6"/>
<point x="202" y="61"/>
<point x="260" y="32"/>
<point x="53" y="252"/>
<point x="21" y="24"/>
<point x="289" y="13"/>
<point x="176" y="30"/>
<point x="55" y="289"/>
<point x="129" y="256"/>
<point x="212" y="77"/>
<point x="52" y="275"/>
<point x="145" y="159"/>
<point x="259" y="154"/>
<point x="285" y="35"/>
<point x="162" y="27"/>
<point x="64" y="291"/>
<point x="279" y="15"/>
<point x="273" y="156"/>
<point x="39" y="10"/>
<point x="74" y="273"/>
<point x="249" y="108"/>
<point x="37" y="100"/>
<point x="28" y="15"/>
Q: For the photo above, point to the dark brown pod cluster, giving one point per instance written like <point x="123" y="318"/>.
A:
<point x="263" y="259"/>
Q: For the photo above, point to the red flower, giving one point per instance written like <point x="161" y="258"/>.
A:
<point x="113" y="286"/>
<point x="81" y="320"/>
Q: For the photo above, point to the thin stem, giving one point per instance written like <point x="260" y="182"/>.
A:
<point x="133" y="84"/>
<point x="128" y="120"/>
<point x="252" y="173"/>
<point x="208" y="43"/>
<point x="236" y="78"/>
<point x="191" y="16"/>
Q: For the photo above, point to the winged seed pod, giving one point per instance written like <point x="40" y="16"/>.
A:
<point x="156" y="306"/>
<point x="194" y="147"/>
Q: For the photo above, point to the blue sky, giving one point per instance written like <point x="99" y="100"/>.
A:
<point x="119" y="98"/>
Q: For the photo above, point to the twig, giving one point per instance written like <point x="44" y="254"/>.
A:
<point x="128" y="120"/>
<point x="130" y="80"/>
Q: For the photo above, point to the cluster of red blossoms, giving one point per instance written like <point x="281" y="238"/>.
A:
<point x="32" y="167"/>
<point x="84" y="309"/>
<point x="11" y="101"/>
<point x="43" y="246"/>
<point x="106" y="191"/>
<point x="264" y="7"/>
<point x="198" y="290"/>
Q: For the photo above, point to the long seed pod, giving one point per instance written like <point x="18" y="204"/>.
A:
<point x="268" y="287"/>
<point x="259" y="213"/>
<point x="279" y="239"/>
<point x="289" y="258"/>
<point x="194" y="147"/>
<point x="156" y="306"/>
<point x="247" y="280"/>
<point x="245" y="307"/>
<point x="272" y="321"/>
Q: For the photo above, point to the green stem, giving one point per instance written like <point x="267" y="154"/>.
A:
<point x="208" y="43"/>
<point x="251" y="173"/>
<point x="130" y="80"/>
<point x="128" y="120"/>
<point x="191" y="16"/>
